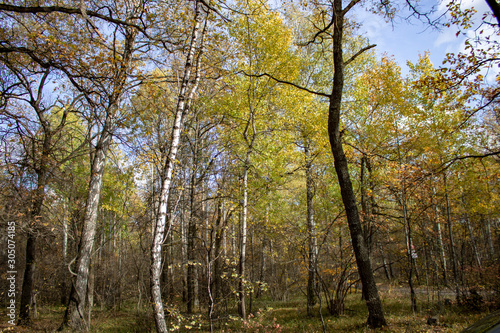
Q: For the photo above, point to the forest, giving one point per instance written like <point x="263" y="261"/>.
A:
<point x="246" y="166"/>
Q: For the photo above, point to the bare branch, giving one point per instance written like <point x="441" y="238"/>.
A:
<point x="351" y="59"/>
<point x="287" y="82"/>
<point x="66" y="10"/>
<point x="215" y="10"/>
<point x="349" y="6"/>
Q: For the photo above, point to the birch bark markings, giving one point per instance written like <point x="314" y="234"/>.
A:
<point x="189" y="85"/>
<point x="439" y="237"/>
<point x="243" y="239"/>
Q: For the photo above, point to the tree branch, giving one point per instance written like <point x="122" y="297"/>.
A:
<point x="287" y="82"/>
<point x="349" y="6"/>
<point x="351" y="59"/>
<point x="66" y="10"/>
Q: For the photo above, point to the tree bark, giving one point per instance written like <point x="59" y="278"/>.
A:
<point x="74" y="316"/>
<point x="191" y="235"/>
<point x="439" y="238"/>
<point x="409" y="247"/>
<point x="366" y="212"/>
<point x="25" y="314"/>
<point x="75" y="312"/>
<point x="473" y="244"/>
<point x="489" y="238"/>
<point x="263" y="261"/>
<point x="64" y="292"/>
<point x="189" y="85"/>
<point x="453" y="255"/>
<point x="243" y="241"/>
<point x="41" y="169"/>
<point x="29" y="271"/>
<point x="311" y="229"/>
<point x="376" y="315"/>
<point x="216" y="289"/>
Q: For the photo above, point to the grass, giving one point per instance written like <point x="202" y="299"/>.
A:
<point x="269" y="316"/>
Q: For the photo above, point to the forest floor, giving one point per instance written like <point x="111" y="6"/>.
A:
<point x="283" y="316"/>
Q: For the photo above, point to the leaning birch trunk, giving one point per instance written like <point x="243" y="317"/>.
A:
<point x="75" y="312"/>
<point x="375" y="312"/>
<point x="74" y="316"/>
<point x="184" y="99"/>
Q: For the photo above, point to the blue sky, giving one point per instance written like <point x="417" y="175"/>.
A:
<point x="406" y="40"/>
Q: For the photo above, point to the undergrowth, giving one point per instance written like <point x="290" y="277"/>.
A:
<point x="273" y="316"/>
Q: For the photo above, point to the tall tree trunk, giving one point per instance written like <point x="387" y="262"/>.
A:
<point x="64" y="292"/>
<point x="90" y="293"/>
<point x="376" y="315"/>
<point x="384" y="262"/>
<point x="36" y="210"/>
<point x="311" y="229"/>
<point x="243" y="241"/>
<point x="25" y="314"/>
<point x="74" y="316"/>
<point x="184" y="258"/>
<point x="439" y="238"/>
<point x="263" y="261"/>
<point x="191" y="237"/>
<point x="473" y="244"/>
<point x="409" y="249"/>
<point x="29" y="271"/>
<point x="216" y="290"/>
<point x="454" y="264"/>
<point x="75" y="312"/>
<point x="366" y="209"/>
<point x="489" y="238"/>
<point x="189" y="85"/>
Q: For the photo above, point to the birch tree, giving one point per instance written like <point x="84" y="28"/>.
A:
<point x="188" y="85"/>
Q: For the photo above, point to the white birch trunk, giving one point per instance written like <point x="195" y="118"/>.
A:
<point x="439" y="236"/>
<point x="243" y="243"/>
<point x="184" y="99"/>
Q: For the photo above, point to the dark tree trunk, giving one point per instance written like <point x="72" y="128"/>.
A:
<point x="191" y="235"/>
<point x="376" y="315"/>
<point x="28" y="281"/>
<point x="39" y="197"/>
<point x="311" y="228"/>
<point x="495" y="8"/>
